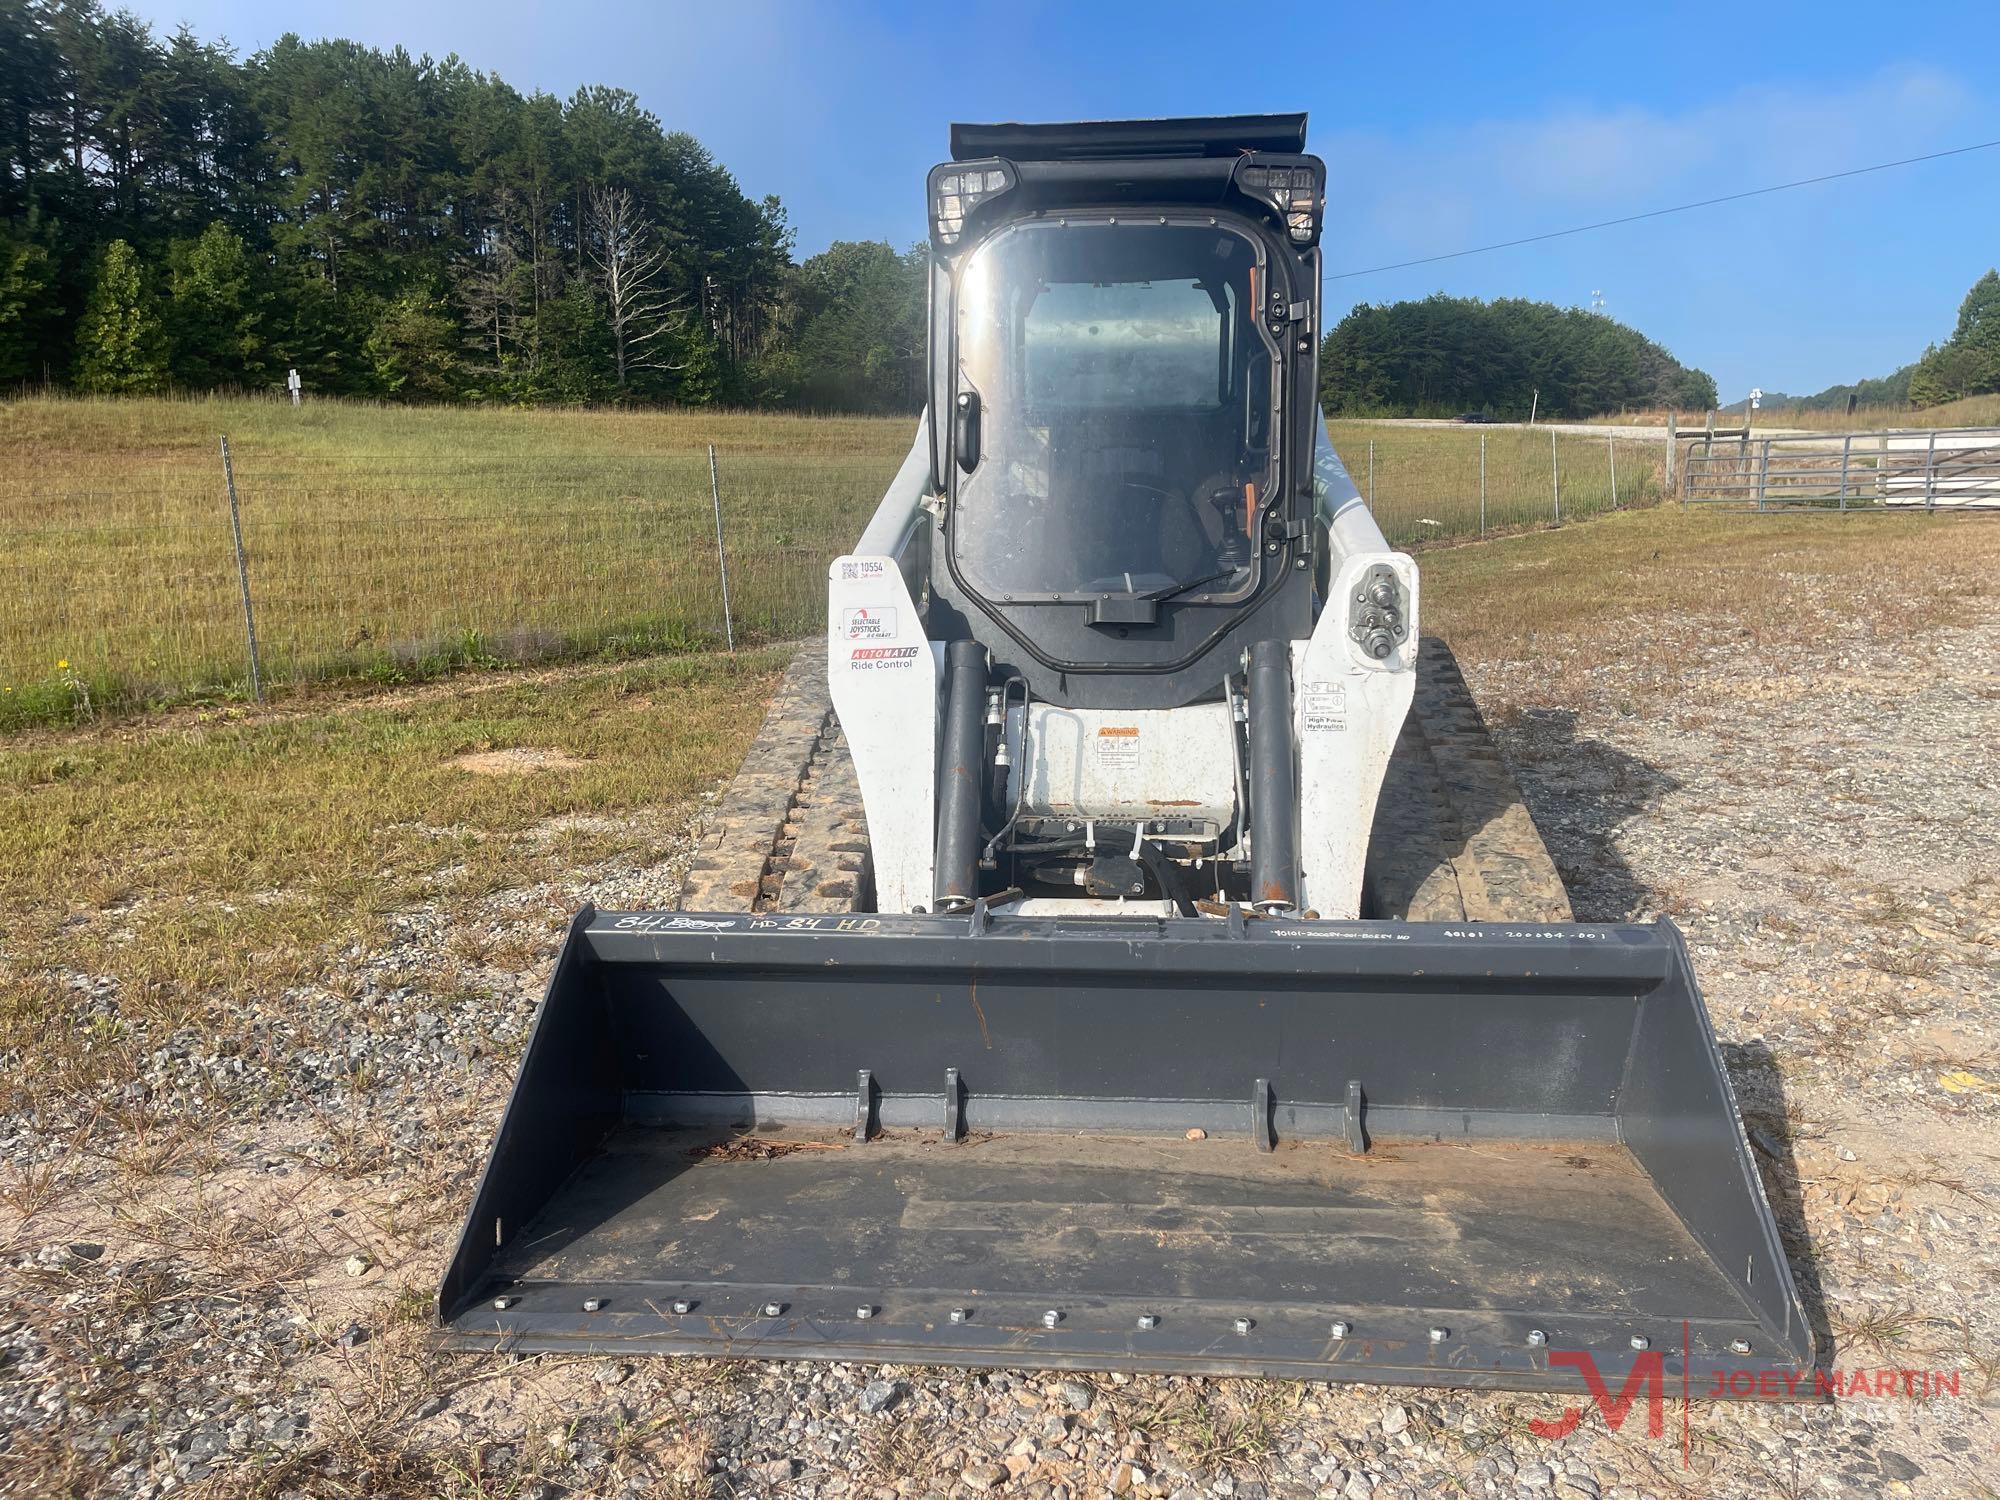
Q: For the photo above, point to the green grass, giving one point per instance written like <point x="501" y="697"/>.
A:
<point x="397" y="544"/>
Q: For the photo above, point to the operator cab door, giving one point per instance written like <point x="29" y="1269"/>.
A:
<point x="1110" y="486"/>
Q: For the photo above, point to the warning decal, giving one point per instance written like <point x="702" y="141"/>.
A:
<point x="1118" y="747"/>
<point x="870" y="623"/>
<point x="1324" y="707"/>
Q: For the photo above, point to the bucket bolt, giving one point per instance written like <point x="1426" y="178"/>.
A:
<point x="593" y="1304"/>
<point x="1148" y="1322"/>
<point x="1536" y="1338"/>
<point x="1244" y="1325"/>
<point x="682" y="1305"/>
<point x="1739" y="1346"/>
<point x="864" y="1312"/>
<point x="1439" y="1335"/>
<point x="960" y="1314"/>
<point x="774" y="1309"/>
<point x="1342" y="1328"/>
<point x="501" y="1304"/>
<point x="1641" y="1342"/>
<point x="1051" y="1318"/>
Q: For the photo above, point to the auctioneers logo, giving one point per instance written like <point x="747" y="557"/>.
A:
<point x="1648" y="1380"/>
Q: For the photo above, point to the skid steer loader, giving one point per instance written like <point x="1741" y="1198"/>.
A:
<point x="1148" y="964"/>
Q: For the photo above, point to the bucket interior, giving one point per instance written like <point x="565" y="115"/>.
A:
<point x="1432" y="1161"/>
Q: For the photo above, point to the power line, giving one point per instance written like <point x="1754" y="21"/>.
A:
<point x="1660" y="213"/>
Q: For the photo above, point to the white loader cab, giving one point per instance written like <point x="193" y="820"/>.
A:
<point x="1122" y="635"/>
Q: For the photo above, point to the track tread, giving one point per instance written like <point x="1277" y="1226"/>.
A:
<point x="735" y="858"/>
<point x="1453" y="840"/>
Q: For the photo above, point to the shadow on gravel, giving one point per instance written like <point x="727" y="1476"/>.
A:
<point x="1760" y="1095"/>
<point x="1580" y="793"/>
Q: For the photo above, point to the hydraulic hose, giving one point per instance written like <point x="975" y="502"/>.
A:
<point x="1274" y="863"/>
<point x="961" y="776"/>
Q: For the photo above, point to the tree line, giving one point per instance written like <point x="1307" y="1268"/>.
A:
<point x="1445" y="356"/>
<point x="1967" y="363"/>
<point x="175" y="217"/>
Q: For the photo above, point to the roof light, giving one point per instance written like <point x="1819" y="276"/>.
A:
<point x="956" y="193"/>
<point x="1296" y="189"/>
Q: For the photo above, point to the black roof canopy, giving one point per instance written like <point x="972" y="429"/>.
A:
<point x="1101" y="140"/>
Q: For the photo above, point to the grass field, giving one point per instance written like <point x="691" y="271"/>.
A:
<point x="395" y="543"/>
<point x="1971" y="411"/>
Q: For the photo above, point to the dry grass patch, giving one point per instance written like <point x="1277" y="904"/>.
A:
<point x="1704" y="584"/>
<point x="191" y="876"/>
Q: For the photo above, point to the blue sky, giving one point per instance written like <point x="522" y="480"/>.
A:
<point x="1443" y="127"/>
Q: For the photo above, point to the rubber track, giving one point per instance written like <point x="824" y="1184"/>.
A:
<point x="789" y="833"/>
<point x="1452" y="839"/>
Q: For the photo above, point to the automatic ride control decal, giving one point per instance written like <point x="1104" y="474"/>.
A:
<point x="882" y="658"/>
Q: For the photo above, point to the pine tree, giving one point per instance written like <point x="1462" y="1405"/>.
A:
<point x="1968" y="363"/>
<point x="212" y="313"/>
<point x="1978" y="334"/>
<point x="25" y="281"/>
<point x="414" y="347"/>
<point x="121" y="344"/>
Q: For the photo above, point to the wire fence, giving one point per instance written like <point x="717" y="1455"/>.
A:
<point x="120" y="596"/>
<point x="106" y="603"/>
<point x="1444" y="483"/>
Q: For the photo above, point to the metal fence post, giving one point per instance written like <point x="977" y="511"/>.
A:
<point x="721" y="551"/>
<point x="1846" y="452"/>
<point x="1611" y="450"/>
<point x="1371" y="473"/>
<point x="1930" y="473"/>
<point x="1482" y="484"/>
<point x="1763" y="470"/>
<point x="242" y="574"/>
<point x="1670" y="452"/>
<point x="1555" y="477"/>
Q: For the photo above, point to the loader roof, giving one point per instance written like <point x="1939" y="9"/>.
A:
<point x="1097" y="140"/>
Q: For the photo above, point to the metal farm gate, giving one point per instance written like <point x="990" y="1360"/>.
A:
<point x="1928" y="469"/>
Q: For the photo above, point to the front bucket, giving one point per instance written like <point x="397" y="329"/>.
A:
<point x="1405" y="1153"/>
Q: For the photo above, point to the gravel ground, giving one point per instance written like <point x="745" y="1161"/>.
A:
<point x="244" y="1308"/>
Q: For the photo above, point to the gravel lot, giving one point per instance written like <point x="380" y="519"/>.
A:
<point x="244" y="1310"/>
